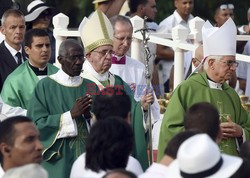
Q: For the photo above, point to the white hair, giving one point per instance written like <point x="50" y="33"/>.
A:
<point x="27" y="171"/>
<point x="216" y="58"/>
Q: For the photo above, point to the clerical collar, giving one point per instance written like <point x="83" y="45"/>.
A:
<point x="64" y="79"/>
<point x="39" y="71"/>
<point x="118" y="58"/>
<point x="214" y="85"/>
<point x="100" y="77"/>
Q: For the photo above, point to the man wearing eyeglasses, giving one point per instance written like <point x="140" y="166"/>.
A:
<point x="130" y="70"/>
<point x="219" y="46"/>
<point x="60" y="107"/>
<point x="19" y="85"/>
<point x="97" y="36"/>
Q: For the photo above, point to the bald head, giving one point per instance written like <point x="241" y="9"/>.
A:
<point x="198" y="56"/>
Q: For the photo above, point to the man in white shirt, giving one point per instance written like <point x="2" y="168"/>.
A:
<point x="147" y="8"/>
<point x="182" y="15"/>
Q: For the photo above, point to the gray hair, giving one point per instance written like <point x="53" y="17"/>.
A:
<point x="216" y="58"/>
<point x="120" y="18"/>
<point x="27" y="171"/>
<point x="63" y="49"/>
<point x="11" y="12"/>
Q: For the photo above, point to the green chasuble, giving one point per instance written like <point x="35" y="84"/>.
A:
<point x="140" y="143"/>
<point x="194" y="90"/>
<point x="49" y="101"/>
<point x="19" y="85"/>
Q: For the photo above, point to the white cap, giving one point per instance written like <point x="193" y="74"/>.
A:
<point x="199" y="156"/>
<point x="219" y="41"/>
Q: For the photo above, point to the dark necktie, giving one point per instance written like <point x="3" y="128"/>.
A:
<point x="19" y="57"/>
<point x="121" y="61"/>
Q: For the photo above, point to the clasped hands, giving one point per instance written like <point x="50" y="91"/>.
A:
<point x="230" y="129"/>
<point x="82" y="106"/>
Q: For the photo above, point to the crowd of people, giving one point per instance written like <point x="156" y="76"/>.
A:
<point x="90" y="117"/>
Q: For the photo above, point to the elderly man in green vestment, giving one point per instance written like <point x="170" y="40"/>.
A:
<point x="97" y="37"/>
<point x="219" y="46"/>
<point x="20" y="84"/>
<point x="59" y="107"/>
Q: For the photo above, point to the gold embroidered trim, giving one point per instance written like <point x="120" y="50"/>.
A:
<point x="103" y="25"/>
<point x="98" y="43"/>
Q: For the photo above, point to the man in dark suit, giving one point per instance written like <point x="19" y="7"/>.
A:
<point x="12" y="55"/>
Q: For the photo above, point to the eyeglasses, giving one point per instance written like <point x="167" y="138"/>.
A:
<point x="104" y="53"/>
<point x="74" y="58"/>
<point x="226" y="6"/>
<point x="231" y="63"/>
<point x="123" y="39"/>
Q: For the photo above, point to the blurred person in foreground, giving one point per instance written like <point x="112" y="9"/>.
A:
<point x="205" y="161"/>
<point x="19" y="143"/>
<point x="27" y="171"/>
<point x="108" y="147"/>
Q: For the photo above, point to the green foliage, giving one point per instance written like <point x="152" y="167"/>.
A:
<point x="77" y="9"/>
<point x="205" y="9"/>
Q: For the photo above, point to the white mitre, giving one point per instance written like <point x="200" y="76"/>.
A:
<point x="219" y="40"/>
<point x="96" y="31"/>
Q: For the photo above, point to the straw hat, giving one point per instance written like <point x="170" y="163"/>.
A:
<point x="96" y="31"/>
<point x="199" y="156"/>
<point x="35" y="8"/>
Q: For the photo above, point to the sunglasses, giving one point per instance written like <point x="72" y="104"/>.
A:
<point x="226" y="6"/>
